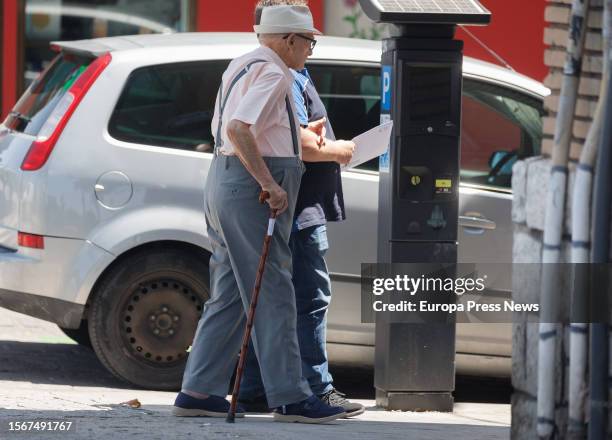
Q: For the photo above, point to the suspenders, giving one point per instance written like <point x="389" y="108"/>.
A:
<point x="223" y="102"/>
<point x="294" y="135"/>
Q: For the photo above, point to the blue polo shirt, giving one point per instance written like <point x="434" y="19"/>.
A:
<point x="320" y="198"/>
<point x="301" y="80"/>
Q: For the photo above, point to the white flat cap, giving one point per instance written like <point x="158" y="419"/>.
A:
<point x="286" y="20"/>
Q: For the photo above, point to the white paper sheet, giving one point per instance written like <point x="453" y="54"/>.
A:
<point x="371" y="144"/>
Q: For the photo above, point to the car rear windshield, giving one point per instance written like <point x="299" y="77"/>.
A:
<point x="37" y="103"/>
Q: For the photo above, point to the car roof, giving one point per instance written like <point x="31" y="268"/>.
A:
<point x="227" y="45"/>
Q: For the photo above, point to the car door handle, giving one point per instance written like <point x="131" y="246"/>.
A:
<point x="477" y="222"/>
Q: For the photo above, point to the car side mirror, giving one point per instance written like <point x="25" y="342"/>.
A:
<point x="501" y="163"/>
<point x="496" y="157"/>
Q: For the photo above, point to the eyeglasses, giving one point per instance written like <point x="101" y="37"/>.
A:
<point x="313" y="42"/>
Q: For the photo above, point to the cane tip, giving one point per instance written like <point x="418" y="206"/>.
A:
<point x="230" y="418"/>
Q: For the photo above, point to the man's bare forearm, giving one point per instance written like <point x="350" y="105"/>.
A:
<point x="248" y="153"/>
<point x="312" y="151"/>
<point x="329" y="151"/>
<point x="324" y="153"/>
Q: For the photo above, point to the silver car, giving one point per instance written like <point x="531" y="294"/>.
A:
<point x="102" y="168"/>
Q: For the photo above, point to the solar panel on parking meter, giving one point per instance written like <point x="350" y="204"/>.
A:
<point x="419" y="187"/>
<point x="427" y="11"/>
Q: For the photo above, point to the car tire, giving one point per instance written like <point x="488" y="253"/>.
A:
<point x="144" y="314"/>
<point x="79" y="335"/>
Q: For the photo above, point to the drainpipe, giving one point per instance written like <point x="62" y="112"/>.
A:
<point x="599" y="344"/>
<point x="609" y="378"/>
<point x="549" y="329"/>
<point x="581" y="249"/>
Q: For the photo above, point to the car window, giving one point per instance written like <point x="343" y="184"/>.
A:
<point x="36" y="104"/>
<point x="352" y="98"/>
<point x="169" y="105"/>
<point x="499" y="125"/>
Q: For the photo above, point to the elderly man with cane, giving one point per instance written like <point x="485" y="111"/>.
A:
<point x="319" y="201"/>
<point x="257" y="149"/>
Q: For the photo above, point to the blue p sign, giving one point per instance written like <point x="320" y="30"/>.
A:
<point x="385" y="105"/>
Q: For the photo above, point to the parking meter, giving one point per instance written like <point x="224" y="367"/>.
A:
<point x="419" y="185"/>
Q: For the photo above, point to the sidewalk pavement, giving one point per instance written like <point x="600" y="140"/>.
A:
<point x="45" y="378"/>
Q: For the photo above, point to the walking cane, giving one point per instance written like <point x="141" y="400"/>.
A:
<point x="251" y="315"/>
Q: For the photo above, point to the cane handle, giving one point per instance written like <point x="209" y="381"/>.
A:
<point x="263" y="196"/>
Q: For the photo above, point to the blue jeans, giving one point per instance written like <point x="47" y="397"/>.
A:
<point x="312" y="296"/>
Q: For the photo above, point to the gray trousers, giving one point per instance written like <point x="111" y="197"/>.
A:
<point x="237" y="224"/>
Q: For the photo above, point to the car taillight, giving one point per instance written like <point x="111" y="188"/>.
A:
<point x="30" y="240"/>
<point x="52" y="129"/>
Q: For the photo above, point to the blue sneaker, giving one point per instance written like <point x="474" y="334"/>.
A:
<point x="311" y="410"/>
<point x="213" y="406"/>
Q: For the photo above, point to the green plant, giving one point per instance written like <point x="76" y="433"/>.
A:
<point x="371" y="33"/>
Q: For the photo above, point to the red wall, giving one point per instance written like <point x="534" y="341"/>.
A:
<point x="516" y="33"/>
<point x="214" y="16"/>
<point x="9" y="55"/>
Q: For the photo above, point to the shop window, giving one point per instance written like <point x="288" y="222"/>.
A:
<point x="60" y="20"/>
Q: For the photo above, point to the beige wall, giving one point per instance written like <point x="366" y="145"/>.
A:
<point x="555" y="36"/>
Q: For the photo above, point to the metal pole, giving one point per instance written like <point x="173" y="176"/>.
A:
<point x="581" y="249"/>
<point x="598" y="383"/>
<point x="549" y="329"/>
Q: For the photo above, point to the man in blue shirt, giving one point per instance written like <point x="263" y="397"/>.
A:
<point x="319" y="200"/>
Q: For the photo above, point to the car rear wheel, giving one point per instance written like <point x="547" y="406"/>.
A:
<point x="144" y="315"/>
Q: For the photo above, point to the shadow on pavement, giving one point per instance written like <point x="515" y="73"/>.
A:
<point x="68" y="364"/>
<point x="100" y="416"/>
<point x="358" y="383"/>
<point x="58" y="364"/>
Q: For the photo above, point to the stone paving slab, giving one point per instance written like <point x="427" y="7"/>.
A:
<point x="44" y="376"/>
